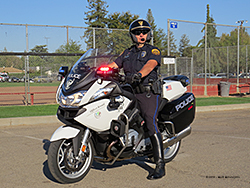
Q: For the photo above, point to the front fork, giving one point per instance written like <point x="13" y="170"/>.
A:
<point x="79" y="140"/>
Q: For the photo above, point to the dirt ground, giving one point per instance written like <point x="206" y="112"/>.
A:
<point x="47" y="97"/>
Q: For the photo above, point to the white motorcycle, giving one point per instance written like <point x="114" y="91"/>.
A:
<point x="103" y="123"/>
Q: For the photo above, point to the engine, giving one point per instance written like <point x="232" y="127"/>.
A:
<point x="133" y="137"/>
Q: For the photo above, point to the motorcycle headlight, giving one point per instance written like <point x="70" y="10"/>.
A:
<point x="100" y="93"/>
<point x="71" y="101"/>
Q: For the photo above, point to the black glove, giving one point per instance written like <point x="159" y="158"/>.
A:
<point x="134" y="78"/>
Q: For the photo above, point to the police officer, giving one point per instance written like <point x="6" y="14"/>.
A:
<point x="140" y="63"/>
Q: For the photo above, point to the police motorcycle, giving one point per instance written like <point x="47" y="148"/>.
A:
<point x="102" y="122"/>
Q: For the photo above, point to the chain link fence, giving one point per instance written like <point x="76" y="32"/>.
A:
<point x="204" y="52"/>
<point x="24" y="37"/>
<point x="61" y="41"/>
<point x="216" y="50"/>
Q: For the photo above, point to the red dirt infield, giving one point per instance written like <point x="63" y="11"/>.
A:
<point x="47" y="94"/>
<point x="42" y="95"/>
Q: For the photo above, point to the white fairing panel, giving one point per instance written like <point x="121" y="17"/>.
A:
<point x="172" y="90"/>
<point x="98" y="116"/>
<point x="64" y="133"/>
<point x="95" y="87"/>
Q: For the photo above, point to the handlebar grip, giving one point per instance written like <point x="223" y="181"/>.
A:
<point x="122" y="78"/>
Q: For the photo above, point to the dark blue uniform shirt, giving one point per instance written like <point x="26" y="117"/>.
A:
<point x="133" y="59"/>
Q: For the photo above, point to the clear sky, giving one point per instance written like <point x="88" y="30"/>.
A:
<point x="71" y="12"/>
<point x="66" y="12"/>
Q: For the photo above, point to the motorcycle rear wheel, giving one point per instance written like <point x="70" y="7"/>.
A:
<point x="66" y="168"/>
<point x="171" y="152"/>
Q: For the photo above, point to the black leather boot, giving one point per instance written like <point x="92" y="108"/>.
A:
<point x="157" y="144"/>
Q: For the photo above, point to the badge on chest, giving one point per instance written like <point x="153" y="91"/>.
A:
<point x="143" y="53"/>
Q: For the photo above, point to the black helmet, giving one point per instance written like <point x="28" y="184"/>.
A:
<point x="138" y="26"/>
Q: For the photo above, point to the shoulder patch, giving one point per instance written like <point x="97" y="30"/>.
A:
<point x="156" y="52"/>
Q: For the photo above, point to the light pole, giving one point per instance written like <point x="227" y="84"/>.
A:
<point x="238" y="49"/>
<point x="241" y="25"/>
<point x="241" y="22"/>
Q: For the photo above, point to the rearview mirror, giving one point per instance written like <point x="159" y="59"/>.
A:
<point x="63" y="70"/>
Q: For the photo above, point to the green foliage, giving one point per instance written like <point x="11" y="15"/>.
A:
<point x="221" y="51"/>
<point x="159" y="36"/>
<point x="120" y="39"/>
<point x="11" y="61"/>
<point x="232" y="38"/>
<point x="70" y="47"/>
<point x="212" y="40"/>
<point x="112" y="40"/>
<point x="96" y="17"/>
<point x="40" y="61"/>
<point x="161" y="41"/>
<point x="121" y="20"/>
<point x="40" y="49"/>
<point x="172" y="42"/>
<point x="184" y="46"/>
<point x="228" y="49"/>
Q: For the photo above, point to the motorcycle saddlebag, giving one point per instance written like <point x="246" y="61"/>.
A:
<point x="180" y="111"/>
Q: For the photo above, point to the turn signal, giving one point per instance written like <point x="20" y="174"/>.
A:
<point x="83" y="148"/>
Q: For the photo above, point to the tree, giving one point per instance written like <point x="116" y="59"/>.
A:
<point x="159" y="36"/>
<point x="11" y="61"/>
<point x="232" y="38"/>
<point x="121" y="20"/>
<point x="96" y="17"/>
<point x="40" y="49"/>
<point x="183" y="46"/>
<point x="172" y="45"/>
<point x="118" y="39"/>
<point x="40" y="61"/>
<point x="70" y="47"/>
<point x="231" y="41"/>
<point x="151" y="21"/>
<point x="212" y="40"/>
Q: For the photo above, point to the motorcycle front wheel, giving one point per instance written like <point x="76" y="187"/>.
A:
<point x="64" y="166"/>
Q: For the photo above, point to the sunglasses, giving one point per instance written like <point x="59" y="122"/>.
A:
<point x="139" y="31"/>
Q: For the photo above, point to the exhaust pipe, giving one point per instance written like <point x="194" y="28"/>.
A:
<point x="170" y="141"/>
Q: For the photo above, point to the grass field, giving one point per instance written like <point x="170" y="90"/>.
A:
<point x="44" y="110"/>
<point x="221" y="101"/>
<point x="25" y="111"/>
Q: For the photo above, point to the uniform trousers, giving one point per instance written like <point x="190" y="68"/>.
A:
<point x="148" y="106"/>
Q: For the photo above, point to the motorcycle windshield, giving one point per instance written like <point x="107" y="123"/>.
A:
<point x="83" y="71"/>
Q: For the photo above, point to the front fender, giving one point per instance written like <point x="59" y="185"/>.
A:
<point x="64" y="132"/>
